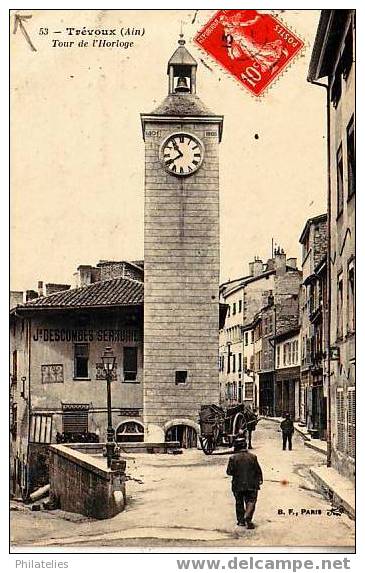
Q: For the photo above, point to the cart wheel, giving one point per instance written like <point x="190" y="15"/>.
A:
<point x="238" y="423"/>
<point x="208" y="444"/>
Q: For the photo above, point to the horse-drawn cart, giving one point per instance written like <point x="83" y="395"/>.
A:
<point x="219" y="426"/>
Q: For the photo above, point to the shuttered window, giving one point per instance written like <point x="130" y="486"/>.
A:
<point x="248" y="390"/>
<point x="75" y="421"/>
<point x="351" y="427"/>
<point x="340" y="414"/>
<point x="41" y="429"/>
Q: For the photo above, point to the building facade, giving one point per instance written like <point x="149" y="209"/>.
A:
<point x="57" y="385"/>
<point x="313" y="318"/>
<point x="333" y="62"/>
<point x="260" y="306"/>
<point x="287" y="373"/>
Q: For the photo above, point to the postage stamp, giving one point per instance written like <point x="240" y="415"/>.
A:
<point x="255" y="48"/>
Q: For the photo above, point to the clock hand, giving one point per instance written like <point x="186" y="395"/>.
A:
<point x="173" y="159"/>
<point x="176" y="147"/>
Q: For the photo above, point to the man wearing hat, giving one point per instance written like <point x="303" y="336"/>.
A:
<point x="287" y="430"/>
<point x="246" y="480"/>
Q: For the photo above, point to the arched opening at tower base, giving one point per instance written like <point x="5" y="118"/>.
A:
<point x="185" y="435"/>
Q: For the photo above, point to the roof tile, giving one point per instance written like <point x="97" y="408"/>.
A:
<point x="113" y="292"/>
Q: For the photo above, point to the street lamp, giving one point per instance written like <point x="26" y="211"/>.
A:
<point x="108" y="360"/>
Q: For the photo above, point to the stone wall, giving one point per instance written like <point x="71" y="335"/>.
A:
<point x="181" y="301"/>
<point x="82" y="484"/>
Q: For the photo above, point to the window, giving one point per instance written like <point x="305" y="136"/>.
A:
<point x="246" y="338"/>
<point x="278" y="357"/>
<point x="130" y="363"/>
<point x="15" y="367"/>
<point x="291" y="353"/>
<point x="81" y="361"/>
<point x="336" y="89"/>
<point x="258" y="360"/>
<point x="229" y="361"/>
<point x="339" y="181"/>
<point x="248" y="390"/>
<point x="285" y="354"/>
<point x="340" y="415"/>
<point x="351" y="175"/>
<point x="240" y="305"/>
<point x="239" y="362"/>
<point x="296" y="351"/>
<point x="240" y="391"/>
<point x="251" y="336"/>
<point x="130" y="431"/>
<point x="75" y="419"/>
<point x="245" y="363"/>
<point x="233" y="363"/>
<point x="348" y="53"/>
<point x="339" y="306"/>
<point x="351" y="297"/>
<point x="181" y="377"/>
<point x="41" y="428"/>
<point x="351" y="429"/>
<point x="234" y="308"/>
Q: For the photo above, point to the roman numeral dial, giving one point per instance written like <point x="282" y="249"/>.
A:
<point x="182" y="154"/>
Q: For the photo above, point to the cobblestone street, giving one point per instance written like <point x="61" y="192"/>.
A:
<point x="186" y="501"/>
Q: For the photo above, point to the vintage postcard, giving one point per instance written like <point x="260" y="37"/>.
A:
<point x="182" y="306"/>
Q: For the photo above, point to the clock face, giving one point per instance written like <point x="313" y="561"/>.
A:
<point x="182" y="154"/>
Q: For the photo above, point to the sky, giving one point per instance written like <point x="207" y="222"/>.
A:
<point x="77" y="153"/>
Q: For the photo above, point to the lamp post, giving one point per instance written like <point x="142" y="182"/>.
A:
<point x="108" y="360"/>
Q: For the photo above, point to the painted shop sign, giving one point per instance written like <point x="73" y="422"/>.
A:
<point x="84" y="335"/>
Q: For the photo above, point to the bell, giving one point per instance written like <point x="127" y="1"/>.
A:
<point x="182" y="85"/>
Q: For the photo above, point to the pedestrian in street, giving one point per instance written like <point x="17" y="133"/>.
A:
<point x="287" y="430"/>
<point x="246" y="480"/>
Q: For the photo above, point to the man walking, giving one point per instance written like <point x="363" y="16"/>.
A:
<point x="246" y="480"/>
<point x="287" y="430"/>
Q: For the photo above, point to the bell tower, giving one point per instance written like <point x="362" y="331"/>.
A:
<point x="181" y="253"/>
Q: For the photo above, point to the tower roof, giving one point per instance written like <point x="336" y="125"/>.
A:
<point x="181" y="56"/>
<point x="182" y="105"/>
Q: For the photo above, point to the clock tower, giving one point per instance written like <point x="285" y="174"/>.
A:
<point x="181" y="253"/>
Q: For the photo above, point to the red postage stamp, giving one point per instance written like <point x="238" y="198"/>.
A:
<point x="255" y="48"/>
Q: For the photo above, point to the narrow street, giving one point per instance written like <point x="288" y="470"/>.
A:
<point x="186" y="500"/>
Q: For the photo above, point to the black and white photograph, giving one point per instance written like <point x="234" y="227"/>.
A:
<point x="182" y="280"/>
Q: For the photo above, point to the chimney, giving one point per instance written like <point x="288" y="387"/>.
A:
<point x="270" y="265"/>
<point x="258" y="267"/>
<point x="54" y="287"/>
<point x="40" y="288"/>
<point x="111" y="269"/>
<point x="250" y="269"/>
<point x="280" y="261"/>
<point x="16" y="297"/>
<point x="84" y="272"/>
<point x="30" y="295"/>
<point x="292" y="263"/>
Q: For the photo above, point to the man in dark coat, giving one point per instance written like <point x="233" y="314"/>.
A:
<point x="246" y="480"/>
<point x="287" y="430"/>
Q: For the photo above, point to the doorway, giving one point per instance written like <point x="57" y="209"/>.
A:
<point x="185" y="435"/>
